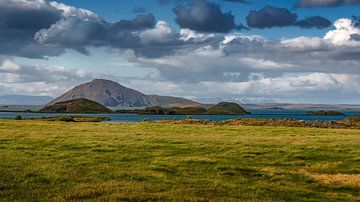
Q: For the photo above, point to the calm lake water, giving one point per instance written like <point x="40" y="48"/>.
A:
<point x="281" y="114"/>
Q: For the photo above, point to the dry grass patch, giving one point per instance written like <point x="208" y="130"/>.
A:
<point x="348" y="179"/>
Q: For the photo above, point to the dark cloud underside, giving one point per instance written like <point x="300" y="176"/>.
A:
<point x="270" y="17"/>
<point x="203" y="16"/>
<point x="316" y="21"/>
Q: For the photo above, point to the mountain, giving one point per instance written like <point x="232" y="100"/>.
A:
<point x="227" y="108"/>
<point x="112" y="94"/>
<point x="80" y="105"/>
<point x="24" y="100"/>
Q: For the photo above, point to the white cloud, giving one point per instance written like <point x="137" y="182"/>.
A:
<point x="39" y="80"/>
<point x="70" y="11"/>
<point x="341" y="36"/>
<point x="9" y="66"/>
<point x="303" y="43"/>
<point x="264" y="64"/>
<point x="162" y="32"/>
<point x="188" y="34"/>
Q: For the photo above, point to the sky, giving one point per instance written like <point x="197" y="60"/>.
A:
<point x="249" y="51"/>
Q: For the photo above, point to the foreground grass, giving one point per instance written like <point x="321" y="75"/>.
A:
<point x="143" y="161"/>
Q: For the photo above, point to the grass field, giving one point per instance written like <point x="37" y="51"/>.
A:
<point x="56" y="161"/>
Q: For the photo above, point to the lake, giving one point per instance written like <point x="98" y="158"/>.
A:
<point x="268" y="113"/>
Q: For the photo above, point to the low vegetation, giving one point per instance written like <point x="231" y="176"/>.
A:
<point x="74" y="119"/>
<point x="58" y="161"/>
<point x="349" y="123"/>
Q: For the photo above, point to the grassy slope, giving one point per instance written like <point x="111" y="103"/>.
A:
<point x="143" y="161"/>
<point x="226" y="108"/>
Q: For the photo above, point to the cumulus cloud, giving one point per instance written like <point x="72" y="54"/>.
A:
<point x="324" y="3"/>
<point x="204" y="17"/>
<point x="37" y="29"/>
<point x="19" y="21"/>
<point x="344" y="33"/>
<point x="40" y="80"/>
<point x="141" y="36"/>
<point x="237" y="57"/>
<point x="78" y="33"/>
<point x="11" y="72"/>
<point x="269" y="17"/>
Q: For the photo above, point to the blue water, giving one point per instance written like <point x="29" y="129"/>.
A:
<point x="281" y="114"/>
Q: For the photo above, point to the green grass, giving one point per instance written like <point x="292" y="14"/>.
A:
<point x="57" y="161"/>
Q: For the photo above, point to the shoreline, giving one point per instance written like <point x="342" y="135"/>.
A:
<point x="262" y="114"/>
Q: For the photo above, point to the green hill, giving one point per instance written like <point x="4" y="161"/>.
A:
<point x="227" y="108"/>
<point x="80" y="105"/>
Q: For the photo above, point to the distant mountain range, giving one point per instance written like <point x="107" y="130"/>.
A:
<point x="24" y="100"/>
<point x="112" y="94"/>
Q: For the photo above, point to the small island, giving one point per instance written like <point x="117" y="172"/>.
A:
<point x="325" y="113"/>
<point x="76" y="106"/>
<point x="223" y="108"/>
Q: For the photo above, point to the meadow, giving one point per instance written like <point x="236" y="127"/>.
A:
<point x="59" y="161"/>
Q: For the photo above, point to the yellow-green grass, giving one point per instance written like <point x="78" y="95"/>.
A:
<point x="57" y="161"/>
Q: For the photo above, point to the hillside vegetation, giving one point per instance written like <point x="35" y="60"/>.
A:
<point x="58" y="161"/>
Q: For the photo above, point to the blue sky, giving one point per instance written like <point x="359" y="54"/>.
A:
<point x="192" y="48"/>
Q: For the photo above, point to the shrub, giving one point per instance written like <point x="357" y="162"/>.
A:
<point x="66" y="119"/>
<point x="146" y="120"/>
<point x="18" y="117"/>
